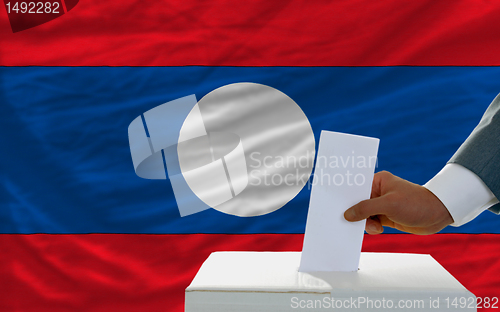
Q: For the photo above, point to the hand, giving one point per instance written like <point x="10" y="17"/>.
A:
<point x="402" y="205"/>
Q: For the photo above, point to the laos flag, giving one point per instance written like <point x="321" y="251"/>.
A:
<point x="103" y="205"/>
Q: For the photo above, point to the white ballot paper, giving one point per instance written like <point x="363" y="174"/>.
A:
<point x="342" y="177"/>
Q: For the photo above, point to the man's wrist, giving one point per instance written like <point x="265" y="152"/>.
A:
<point x="462" y="192"/>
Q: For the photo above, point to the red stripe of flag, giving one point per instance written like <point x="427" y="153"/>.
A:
<point x="120" y="272"/>
<point x="262" y="33"/>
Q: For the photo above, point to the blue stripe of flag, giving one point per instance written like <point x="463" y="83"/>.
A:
<point x="65" y="164"/>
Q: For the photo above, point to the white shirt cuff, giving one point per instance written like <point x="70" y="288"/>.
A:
<point x="462" y="192"/>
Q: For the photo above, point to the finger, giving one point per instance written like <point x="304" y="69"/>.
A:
<point x="386" y="221"/>
<point x="379" y="180"/>
<point x="376" y="187"/>
<point x="373" y="226"/>
<point x="366" y="208"/>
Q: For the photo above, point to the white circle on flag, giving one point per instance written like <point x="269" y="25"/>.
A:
<point x="255" y="145"/>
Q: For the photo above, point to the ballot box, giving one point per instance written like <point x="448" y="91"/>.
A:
<point x="271" y="282"/>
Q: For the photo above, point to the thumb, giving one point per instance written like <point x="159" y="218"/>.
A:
<point x="366" y="209"/>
